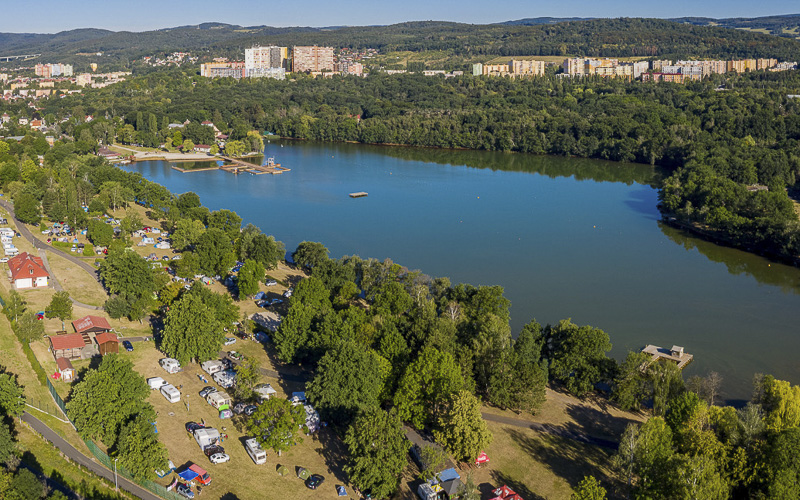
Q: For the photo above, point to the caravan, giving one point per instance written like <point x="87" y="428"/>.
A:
<point x="171" y="365"/>
<point x="225" y="378"/>
<point x="171" y="393"/>
<point x="156" y="383"/>
<point x="255" y="451"/>
<point x="219" y="400"/>
<point x="213" y="366"/>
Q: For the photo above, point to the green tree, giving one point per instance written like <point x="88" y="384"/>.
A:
<point x="426" y="383"/>
<point x="12" y="396"/>
<point x="469" y="490"/>
<point x="60" y="306"/>
<point x="346" y="381"/>
<point x="187" y="146"/>
<point x="520" y="377"/>
<point x="461" y="428"/>
<point x="589" y="489"/>
<point x="275" y="424"/>
<point x="646" y="452"/>
<point x="308" y="254"/>
<point x="100" y="233"/>
<point x="226" y="221"/>
<point x="781" y="403"/>
<point x="578" y="355"/>
<point x="107" y="397"/>
<point x="27" y="208"/>
<point x="15" y="305"/>
<point x="378" y="450"/>
<point x="698" y="477"/>
<point x="187" y="233"/>
<point x="131" y="223"/>
<point x="291" y="338"/>
<point x="235" y="148"/>
<point x="248" y="375"/>
<point x="8" y="444"/>
<point x="139" y="450"/>
<point x="29" y="328"/>
<point x="191" y="331"/>
<point x="433" y="459"/>
<point x="250" y="276"/>
<point x="631" y="386"/>
<point x="214" y="252"/>
<point x="26" y="485"/>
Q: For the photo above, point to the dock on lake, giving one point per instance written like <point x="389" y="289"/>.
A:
<point x="674" y="355"/>
<point x="237" y="166"/>
<point x="359" y="194"/>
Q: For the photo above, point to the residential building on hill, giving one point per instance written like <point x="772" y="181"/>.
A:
<point x="28" y="271"/>
<point x="270" y="56"/>
<point x="312" y="58"/>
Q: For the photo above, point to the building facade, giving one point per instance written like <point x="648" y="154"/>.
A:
<point x="312" y="58"/>
<point x="270" y="56"/>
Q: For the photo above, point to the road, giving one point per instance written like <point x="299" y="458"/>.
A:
<point x="81" y="459"/>
<point x="44" y="247"/>
<point x="551" y="429"/>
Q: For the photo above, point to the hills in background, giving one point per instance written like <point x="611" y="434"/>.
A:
<point x="543" y="36"/>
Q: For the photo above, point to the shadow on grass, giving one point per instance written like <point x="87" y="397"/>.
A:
<point x="597" y="422"/>
<point x="568" y="459"/>
<point x="332" y="450"/>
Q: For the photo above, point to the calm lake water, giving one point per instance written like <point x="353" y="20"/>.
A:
<point x="566" y="238"/>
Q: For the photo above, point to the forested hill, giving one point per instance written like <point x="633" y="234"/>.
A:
<point x="598" y="37"/>
<point x="787" y="25"/>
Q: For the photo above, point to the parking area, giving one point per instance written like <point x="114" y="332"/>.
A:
<point x="321" y="453"/>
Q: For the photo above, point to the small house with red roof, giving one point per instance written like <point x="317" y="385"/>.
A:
<point x="91" y="324"/>
<point x="67" y="346"/>
<point x="65" y="369"/>
<point x="27" y="271"/>
<point x="107" y="342"/>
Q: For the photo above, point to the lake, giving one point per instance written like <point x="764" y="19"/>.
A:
<point x="566" y="238"/>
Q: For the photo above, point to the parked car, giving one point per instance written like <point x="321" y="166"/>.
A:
<point x="271" y="283"/>
<point x="239" y="408"/>
<point x="4" y="260"/>
<point x="207" y="390"/>
<point x="192" y="426"/>
<point x="219" y="458"/>
<point x="184" y="490"/>
<point x="235" y="355"/>
<point x="127" y="345"/>
<point x="213" y="449"/>
<point x="287" y="293"/>
<point x="262" y="337"/>
<point x="314" y="481"/>
<point x="250" y="409"/>
<point x="230" y="340"/>
<point x="276" y="302"/>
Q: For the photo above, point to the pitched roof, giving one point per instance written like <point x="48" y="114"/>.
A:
<point x="89" y="322"/>
<point x="63" y="364"/>
<point x="26" y="265"/>
<point x="105" y="337"/>
<point x="69" y="341"/>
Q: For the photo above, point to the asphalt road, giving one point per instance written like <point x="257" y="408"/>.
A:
<point x="81" y="459"/>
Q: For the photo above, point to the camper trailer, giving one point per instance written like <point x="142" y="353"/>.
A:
<point x="219" y="400"/>
<point x="171" y="365"/>
<point x="225" y="378"/>
<point x="264" y="391"/>
<point x="171" y="392"/>
<point x="212" y="367"/>
<point x="206" y="436"/>
<point x="156" y="382"/>
<point x="255" y="451"/>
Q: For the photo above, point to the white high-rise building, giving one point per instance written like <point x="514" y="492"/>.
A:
<point x="265" y="57"/>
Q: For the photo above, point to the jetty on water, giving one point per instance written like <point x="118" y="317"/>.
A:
<point x="675" y="355"/>
<point x="359" y="194"/>
<point x="237" y="166"/>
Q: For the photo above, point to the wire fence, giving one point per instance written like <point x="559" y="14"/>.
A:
<point x="152" y="487"/>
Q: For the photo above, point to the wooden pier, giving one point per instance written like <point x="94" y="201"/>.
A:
<point x="359" y="194"/>
<point x="237" y="166"/>
<point x="674" y="355"/>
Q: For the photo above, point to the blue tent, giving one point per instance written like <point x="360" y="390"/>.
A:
<point x="260" y="295"/>
<point x="341" y="491"/>
<point x="188" y="474"/>
<point x="448" y="475"/>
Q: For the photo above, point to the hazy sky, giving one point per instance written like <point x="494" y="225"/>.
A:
<point x="50" y="16"/>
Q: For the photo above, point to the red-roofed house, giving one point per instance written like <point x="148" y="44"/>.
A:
<point x="108" y="343"/>
<point x="27" y="271"/>
<point x="65" y="369"/>
<point x="91" y="324"/>
<point x="67" y="346"/>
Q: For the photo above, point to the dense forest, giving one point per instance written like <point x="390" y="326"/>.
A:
<point x="714" y="138"/>
<point x="598" y="37"/>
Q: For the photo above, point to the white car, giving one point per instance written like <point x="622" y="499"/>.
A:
<point x="230" y="340"/>
<point x="4" y="260"/>
<point x="271" y="283"/>
<point x="46" y="231"/>
<point x="219" y="458"/>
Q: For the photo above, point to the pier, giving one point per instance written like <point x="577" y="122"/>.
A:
<point x="359" y="194"/>
<point x="239" y="166"/>
<point x="674" y="355"/>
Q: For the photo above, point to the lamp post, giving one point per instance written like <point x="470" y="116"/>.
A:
<point x="116" y="484"/>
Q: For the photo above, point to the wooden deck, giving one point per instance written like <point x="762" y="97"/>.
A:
<point x="675" y="355"/>
<point x="239" y="166"/>
<point x="359" y="194"/>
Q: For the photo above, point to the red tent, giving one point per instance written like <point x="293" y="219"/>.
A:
<point x="504" y="492"/>
<point x="482" y="458"/>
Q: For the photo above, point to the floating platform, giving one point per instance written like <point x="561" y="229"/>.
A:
<point x="674" y="355"/>
<point x="359" y="194"/>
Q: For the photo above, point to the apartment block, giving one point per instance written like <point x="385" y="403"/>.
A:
<point x="526" y="67"/>
<point x="83" y="79"/>
<point x="270" y="56"/>
<point x="234" y="69"/>
<point x="276" y="73"/>
<point x="350" y="68"/>
<point x="312" y="58"/>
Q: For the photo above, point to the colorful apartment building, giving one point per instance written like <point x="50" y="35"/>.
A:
<point x="312" y="58"/>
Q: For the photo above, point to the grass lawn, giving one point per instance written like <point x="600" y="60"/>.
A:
<point x="239" y="478"/>
<point x="81" y="286"/>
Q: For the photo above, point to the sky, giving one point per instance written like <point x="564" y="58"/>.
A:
<point x="51" y="16"/>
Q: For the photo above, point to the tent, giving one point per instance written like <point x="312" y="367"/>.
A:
<point x="188" y="475"/>
<point x="341" y="491"/>
<point x="283" y="470"/>
<point x="482" y="458"/>
<point x="260" y="295"/>
<point x="303" y="473"/>
<point x="448" y="475"/>
<point x="504" y="492"/>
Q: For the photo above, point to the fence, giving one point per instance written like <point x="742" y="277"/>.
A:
<point x="57" y="398"/>
<point x="152" y="487"/>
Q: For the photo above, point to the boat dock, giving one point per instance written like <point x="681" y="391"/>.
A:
<point x="240" y="166"/>
<point x="674" y="355"/>
<point x="359" y="194"/>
